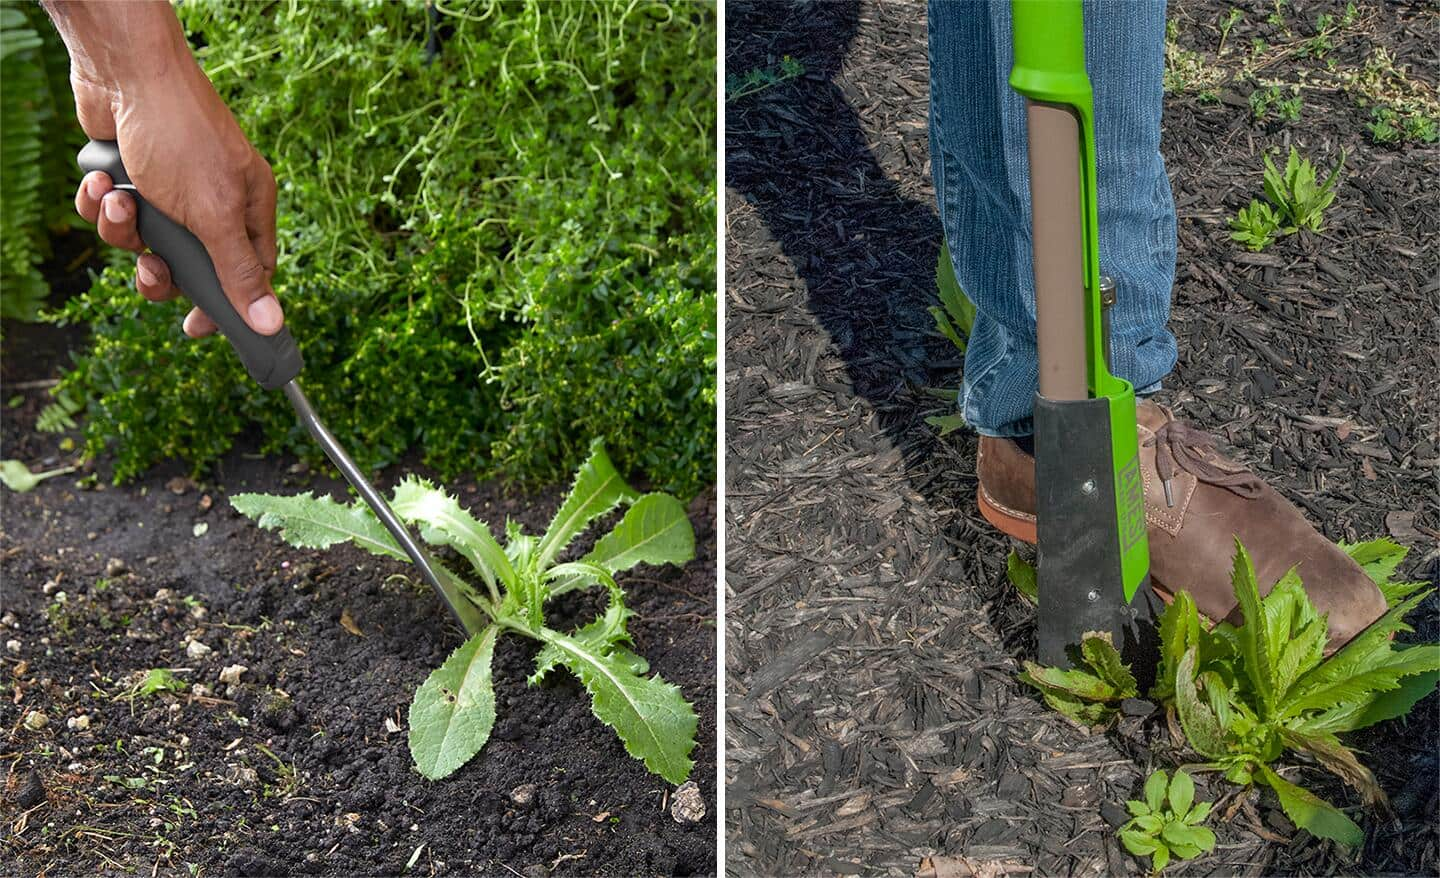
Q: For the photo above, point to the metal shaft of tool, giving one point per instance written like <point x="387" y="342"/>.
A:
<point x="352" y="474"/>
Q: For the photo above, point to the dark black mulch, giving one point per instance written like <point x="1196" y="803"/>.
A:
<point x="873" y="715"/>
<point x="302" y="767"/>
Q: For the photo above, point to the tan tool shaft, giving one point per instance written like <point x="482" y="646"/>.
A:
<point x="1054" y="147"/>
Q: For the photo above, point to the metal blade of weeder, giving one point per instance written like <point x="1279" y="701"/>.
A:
<point x="387" y="516"/>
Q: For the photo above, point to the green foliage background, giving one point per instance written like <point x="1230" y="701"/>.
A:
<point x="37" y="129"/>
<point x="493" y="257"/>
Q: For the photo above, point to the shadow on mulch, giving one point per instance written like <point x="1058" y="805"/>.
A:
<point x="873" y="716"/>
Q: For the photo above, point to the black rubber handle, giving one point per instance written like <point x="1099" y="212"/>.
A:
<point x="272" y="360"/>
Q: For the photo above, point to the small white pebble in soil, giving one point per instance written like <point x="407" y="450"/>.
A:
<point x="197" y="650"/>
<point x="51" y="586"/>
<point x="78" y="723"/>
<point x="163" y="594"/>
<point x="523" y="796"/>
<point x="198" y="612"/>
<point x="687" y="805"/>
<point x="231" y="673"/>
<point x="9" y="621"/>
<point x="202" y="691"/>
<point x="36" y="720"/>
<point x="13" y="647"/>
<point x="116" y="567"/>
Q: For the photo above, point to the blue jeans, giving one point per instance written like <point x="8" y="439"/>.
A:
<point x="982" y="182"/>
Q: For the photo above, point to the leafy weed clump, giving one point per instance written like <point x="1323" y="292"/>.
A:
<point x="1168" y="822"/>
<point x="492" y="249"/>
<point x="1297" y="200"/>
<point x="1246" y="695"/>
<point x="453" y="711"/>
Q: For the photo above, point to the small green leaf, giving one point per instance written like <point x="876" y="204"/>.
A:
<point x="1312" y="813"/>
<point x="1137" y="808"/>
<point x="1155" y="786"/>
<point x="1022" y="576"/>
<point x="1138" y="843"/>
<point x="454" y="709"/>
<point x="1198" y="813"/>
<point x="1160" y="859"/>
<point x="1182" y="793"/>
<point x="17" y="476"/>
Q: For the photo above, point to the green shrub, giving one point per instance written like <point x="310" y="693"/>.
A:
<point x="37" y="130"/>
<point x="489" y="255"/>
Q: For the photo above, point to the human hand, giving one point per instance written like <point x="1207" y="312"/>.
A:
<point x="182" y="149"/>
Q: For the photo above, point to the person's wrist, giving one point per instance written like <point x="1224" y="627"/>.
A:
<point x="120" y="46"/>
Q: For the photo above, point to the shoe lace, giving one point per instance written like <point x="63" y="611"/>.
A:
<point x="1181" y="446"/>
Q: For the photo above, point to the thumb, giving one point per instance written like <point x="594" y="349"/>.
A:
<point x="245" y="280"/>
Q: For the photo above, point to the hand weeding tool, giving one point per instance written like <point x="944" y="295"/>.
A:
<point x="273" y="361"/>
<point x="1094" y="560"/>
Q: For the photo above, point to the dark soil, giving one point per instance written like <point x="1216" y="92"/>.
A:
<point x="302" y="767"/>
<point x="873" y="716"/>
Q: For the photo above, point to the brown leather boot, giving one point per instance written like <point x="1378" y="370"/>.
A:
<point x="1196" y="504"/>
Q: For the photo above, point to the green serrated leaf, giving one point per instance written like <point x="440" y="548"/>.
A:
<point x="1379" y="558"/>
<point x="598" y="488"/>
<point x="443" y="522"/>
<point x="1312" y="813"/>
<point x="1076" y="682"/>
<point x="454" y="709"/>
<point x="1137" y="808"/>
<point x="318" y="522"/>
<point x="651" y="717"/>
<point x="1252" y="635"/>
<point x="655" y="530"/>
<point x="1101" y="655"/>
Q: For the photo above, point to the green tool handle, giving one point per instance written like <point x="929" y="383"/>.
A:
<point x="272" y="360"/>
<point x="1049" y="71"/>
<point x="1049" y="68"/>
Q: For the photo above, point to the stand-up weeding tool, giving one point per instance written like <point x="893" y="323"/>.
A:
<point x="1094" y="560"/>
<point x="273" y="361"/>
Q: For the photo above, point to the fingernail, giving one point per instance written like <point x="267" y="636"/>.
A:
<point x="115" y="212"/>
<point x="265" y="314"/>
<point x="92" y="187"/>
<point x="147" y="277"/>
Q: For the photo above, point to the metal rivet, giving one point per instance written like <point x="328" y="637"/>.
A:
<point x="1088" y="487"/>
<point x="1093" y="596"/>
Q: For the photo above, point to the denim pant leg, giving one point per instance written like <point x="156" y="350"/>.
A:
<point x="982" y="183"/>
